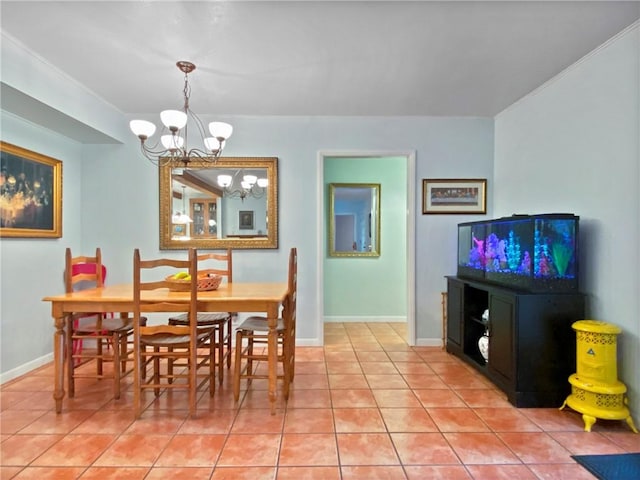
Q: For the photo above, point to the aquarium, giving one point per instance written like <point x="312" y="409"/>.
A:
<point x="537" y="253"/>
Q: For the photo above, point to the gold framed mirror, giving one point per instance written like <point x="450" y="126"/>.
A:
<point x="232" y="203"/>
<point x="354" y="220"/>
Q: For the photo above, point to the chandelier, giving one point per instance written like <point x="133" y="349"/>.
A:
<point x="249" y="186"/>
<point x="174" y="145"/>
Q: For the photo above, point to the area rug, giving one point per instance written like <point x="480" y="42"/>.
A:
<point x="624" y="466"/>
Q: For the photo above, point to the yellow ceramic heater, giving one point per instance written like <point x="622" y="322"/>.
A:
<point x="595" y="389"/>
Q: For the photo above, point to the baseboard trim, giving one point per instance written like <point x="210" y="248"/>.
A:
<point x="429" y="342"/>
<point x="25" y="368"/>
<point x="365" y="319"/>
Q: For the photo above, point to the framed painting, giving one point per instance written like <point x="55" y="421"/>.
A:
<point x="454" y="196"/>
<point x="179" y="230"/>
<point x="245" y="219"/>
<point x="30" y="194"/>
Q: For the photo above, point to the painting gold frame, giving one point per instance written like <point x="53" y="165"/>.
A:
<point x="30" y="194"/>
<point x="261" y="240"/>
<point x="454" y="196"/>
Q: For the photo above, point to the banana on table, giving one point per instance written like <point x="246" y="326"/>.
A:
<point x="182" y="276"/>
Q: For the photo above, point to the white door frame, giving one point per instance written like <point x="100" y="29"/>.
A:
<point x="410" y="157"/>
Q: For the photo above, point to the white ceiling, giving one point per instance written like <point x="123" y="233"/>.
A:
<point x="383" y="58"/>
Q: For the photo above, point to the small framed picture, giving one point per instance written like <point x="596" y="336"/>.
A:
<point x="245" y="219"/>
<point x="178" y="230"/>
<point x="454" y="196"/>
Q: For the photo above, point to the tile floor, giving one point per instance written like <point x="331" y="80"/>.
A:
<point x="364" y="406"/>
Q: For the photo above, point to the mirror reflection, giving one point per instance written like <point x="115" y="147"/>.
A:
<point x="354" y="219"/>
<point x="229" y="204"/>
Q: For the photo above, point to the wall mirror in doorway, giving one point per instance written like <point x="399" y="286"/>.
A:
<point x="232" y="203"/>
<point x="354" y="220"/>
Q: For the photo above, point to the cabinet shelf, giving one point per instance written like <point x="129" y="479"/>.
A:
<point x="204" y="216"/>
<point x="480" y="321"/>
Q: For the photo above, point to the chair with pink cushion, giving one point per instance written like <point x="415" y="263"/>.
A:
<point x="108" y="333"/>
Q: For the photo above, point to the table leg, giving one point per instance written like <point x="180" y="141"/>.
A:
<point x="58" y="362"/>
<point x="272" y="351"/>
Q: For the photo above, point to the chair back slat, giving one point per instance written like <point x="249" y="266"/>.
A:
<point x="141" y="305"/>
<point x="217" y="263"/>
<point x="164" y="262"/>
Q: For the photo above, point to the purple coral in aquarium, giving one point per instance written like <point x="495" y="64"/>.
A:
<point x="502" y="256"/>
<point x="525" y="266"/>
<point x="544" y="268"/>
<point x="495" y="256"/>
<point x="496" y="265"/>
<point x="476" y="254"/>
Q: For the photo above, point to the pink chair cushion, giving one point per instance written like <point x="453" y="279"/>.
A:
<point x="87" y="268"/>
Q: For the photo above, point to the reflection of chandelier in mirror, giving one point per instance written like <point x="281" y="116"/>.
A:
<point x="175" y="123"/>
<point x="182" y="218"/>
<point x="250" y="186"/>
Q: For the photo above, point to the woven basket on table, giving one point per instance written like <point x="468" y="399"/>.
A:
<point x="206" y="281"/>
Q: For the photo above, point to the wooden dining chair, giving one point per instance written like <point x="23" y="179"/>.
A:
<point x="163" y="342"/>
<point x="255" y="330"/>
<point x="215" y="263"/>
<point x="109" y="333"/>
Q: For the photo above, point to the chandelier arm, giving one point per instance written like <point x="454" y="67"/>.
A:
<point x="153" y="149"/>
<point x="202" y="155"/>
<point x="160" y="161"/>
<point x="198" y="123"/>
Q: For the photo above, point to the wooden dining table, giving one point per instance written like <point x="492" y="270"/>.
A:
<point x="264" y="298"/>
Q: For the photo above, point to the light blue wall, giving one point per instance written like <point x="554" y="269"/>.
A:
<point x="573" y="146"/>
<point x="370" y="288"/>
<point x="32" y="269"/>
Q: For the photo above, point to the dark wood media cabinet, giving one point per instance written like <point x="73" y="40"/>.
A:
<point x="532" y="347"/>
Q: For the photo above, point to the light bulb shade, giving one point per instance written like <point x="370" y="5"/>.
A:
<point x="172" y="142"/>
<point x="212" y="144"/>
<point x="224" y="180"/>
<point x="246" y="185"/>
<point x="173" y="119"/>
<point x="250" y="179"/>
<point x="220" y="130"/>
<point x="142" y="128"/>
<point x="263" y="182"/>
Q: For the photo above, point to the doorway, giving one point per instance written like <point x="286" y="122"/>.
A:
<point x="359" y="164"/>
